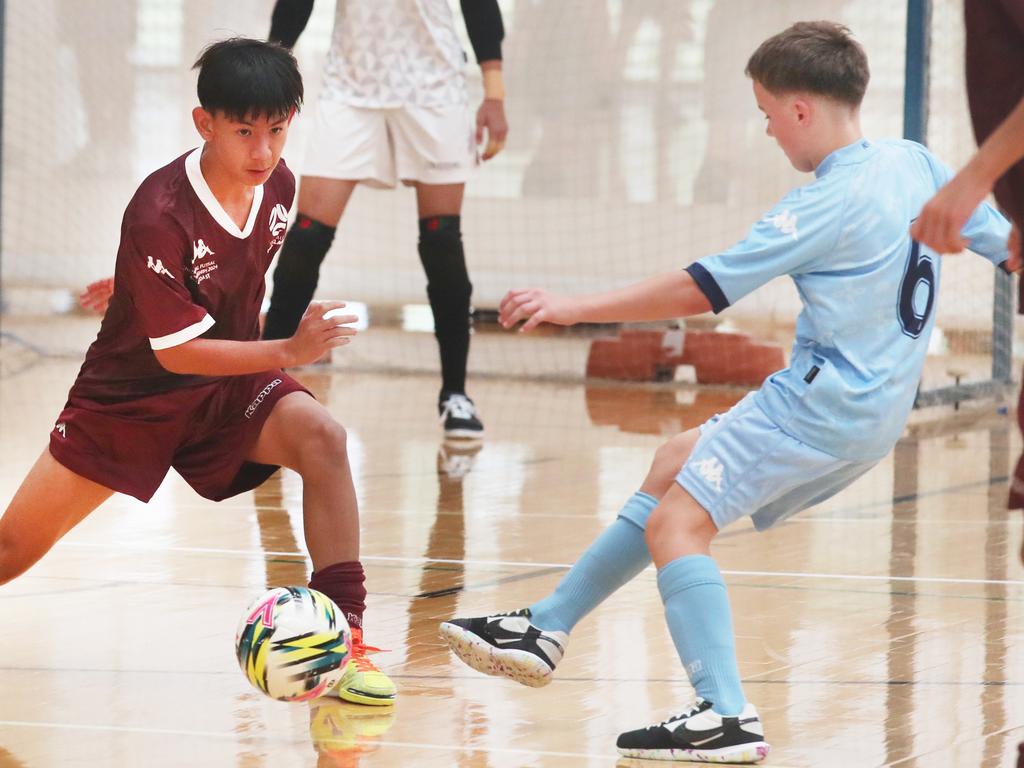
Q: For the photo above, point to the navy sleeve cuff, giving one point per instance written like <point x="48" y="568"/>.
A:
<point x="707" y="283"/>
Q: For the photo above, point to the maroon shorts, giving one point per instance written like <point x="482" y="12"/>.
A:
<point x="206" y="433"/>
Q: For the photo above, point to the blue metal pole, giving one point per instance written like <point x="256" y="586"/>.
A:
<point x="915" y="94"/>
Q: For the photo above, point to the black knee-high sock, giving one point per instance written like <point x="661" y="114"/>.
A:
<point x="449" y="291"/>
<point x="296" y="275"/>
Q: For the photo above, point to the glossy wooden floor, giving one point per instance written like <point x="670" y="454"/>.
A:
<point x="883" y="628"/>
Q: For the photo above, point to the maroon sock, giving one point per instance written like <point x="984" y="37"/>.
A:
<point x="343" y="583"/>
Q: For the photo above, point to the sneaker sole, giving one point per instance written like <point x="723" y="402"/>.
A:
<point x="464" y="434"/>
<point x="754" y="752"/>
<point x="521" y="666"/>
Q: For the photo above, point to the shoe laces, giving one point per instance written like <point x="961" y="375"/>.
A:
<point x="360" y="653"/>
<point x="694" y="709"/>
<point x="458" y="407"/>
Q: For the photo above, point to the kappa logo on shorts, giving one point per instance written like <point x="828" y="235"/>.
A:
<point x="711" y="470"/>
<point x="62" y="428"/>
<point x="260" y="398"/>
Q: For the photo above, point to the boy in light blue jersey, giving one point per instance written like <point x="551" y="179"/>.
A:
<point x="868" y="293"/>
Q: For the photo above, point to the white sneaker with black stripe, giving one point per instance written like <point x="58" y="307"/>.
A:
<point x="700" y="735"/>
<point x="459" y="417"/>
<point x="507" y="645"/>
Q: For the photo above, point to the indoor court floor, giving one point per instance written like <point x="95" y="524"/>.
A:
<point x="883" y="628"/>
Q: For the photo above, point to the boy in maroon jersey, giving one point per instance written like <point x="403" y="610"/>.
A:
<point x="178" y="377"/>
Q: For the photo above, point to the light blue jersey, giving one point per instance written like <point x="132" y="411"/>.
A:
<point x="868" y="292"/>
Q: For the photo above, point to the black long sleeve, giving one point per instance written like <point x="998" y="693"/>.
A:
<point x="485" y="28"/>
<point x="288" y="20"/>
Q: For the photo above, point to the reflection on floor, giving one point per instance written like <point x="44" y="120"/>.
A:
<point x="885" y="627"/>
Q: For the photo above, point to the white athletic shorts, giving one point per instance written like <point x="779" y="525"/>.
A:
<point x="433" y="145"/>
<point x="743" y="464"/>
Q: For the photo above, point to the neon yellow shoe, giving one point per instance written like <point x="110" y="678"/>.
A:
<point x="363" y="682"/>
<point x="343" y="732"/>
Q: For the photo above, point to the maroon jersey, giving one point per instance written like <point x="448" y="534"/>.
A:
<point x="184" y="270"/>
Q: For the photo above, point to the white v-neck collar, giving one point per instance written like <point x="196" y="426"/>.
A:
<point x="205" y="195"/>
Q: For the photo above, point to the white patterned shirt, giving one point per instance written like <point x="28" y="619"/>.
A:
<point x="389" y="53"/>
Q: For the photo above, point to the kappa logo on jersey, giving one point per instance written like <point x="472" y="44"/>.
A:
<point x="278" y="224"/>
<point x="62" y="428"/>
<point x="260" y="398"/>
<point x="711" y="470"/>
<point x="200" y="250"/>
<point x="158" y="266"/>
<point x="202" y="271"/>
<point x="785" y="222"/>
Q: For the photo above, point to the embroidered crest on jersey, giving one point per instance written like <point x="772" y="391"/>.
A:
<point x="711" y="470"/>
<point x="278" y="225"/>
<point x="158" y="266"/>
<point x="785" y="222"/>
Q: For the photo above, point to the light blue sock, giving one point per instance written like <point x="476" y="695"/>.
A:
<point x="699" y="619"/>
<point x="615" y="557"/>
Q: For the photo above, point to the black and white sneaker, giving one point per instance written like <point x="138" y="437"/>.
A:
<point x="455" y="458"/>
<point x="459" y="417"/>
<point x="700" y="735"/>
<point x="508" y="645"/>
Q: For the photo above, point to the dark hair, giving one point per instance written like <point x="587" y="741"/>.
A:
<point x="815" y="56"/>
<point x="245" y="78"/>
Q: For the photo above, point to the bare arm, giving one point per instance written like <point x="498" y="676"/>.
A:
<point x="944" y="216"/>
<point x="218" y="357"/>
<point x="486" y="31"/>
<point x="674" y="294"/>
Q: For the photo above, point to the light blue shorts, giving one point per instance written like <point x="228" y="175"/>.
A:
<point x="743" y="464"/>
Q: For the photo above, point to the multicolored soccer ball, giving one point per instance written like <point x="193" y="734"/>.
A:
<point x="293" y="643"/>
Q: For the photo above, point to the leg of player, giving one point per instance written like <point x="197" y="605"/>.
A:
<point x="449" y="291"/>
<point x="527" y="644"/>
<point x="721" y="726"/>
<point x="50" y="501"/>
<point x="321" y="204"/>
<point x="300" y="434"/>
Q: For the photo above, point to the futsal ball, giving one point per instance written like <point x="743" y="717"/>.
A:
<point x="293" y="643"/>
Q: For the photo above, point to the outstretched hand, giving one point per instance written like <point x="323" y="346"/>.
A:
<point x="319" y="331"/>
<point x="96" y="296"/>
<point x="945" y="215"/>
<point x="536" y="306"/>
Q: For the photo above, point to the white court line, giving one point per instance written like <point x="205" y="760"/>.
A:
<point x="276" y="737"/>
<point x="518" y="564"/>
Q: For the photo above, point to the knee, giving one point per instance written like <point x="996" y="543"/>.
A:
<point x="658" y="525"/>
<point x="11" y="565"/>
<point x="325" y="440"/>
<point x="670" y="458"/>
<point x="689" y="529"/>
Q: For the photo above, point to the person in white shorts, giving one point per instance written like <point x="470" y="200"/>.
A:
<point x="394" y="108"/>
